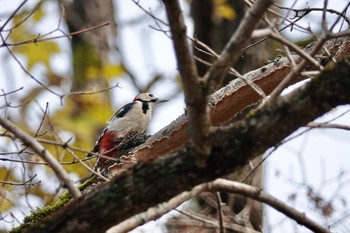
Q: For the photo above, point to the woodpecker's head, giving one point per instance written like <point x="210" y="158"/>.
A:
<point x="148" y="98"/>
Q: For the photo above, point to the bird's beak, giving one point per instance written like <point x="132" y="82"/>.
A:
<point x="159" y="101"/>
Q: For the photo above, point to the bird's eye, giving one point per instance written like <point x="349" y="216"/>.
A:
<point x="150" y="95"/>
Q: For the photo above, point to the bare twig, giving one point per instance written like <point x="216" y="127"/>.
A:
<point x="86" y="166"/>
<point x="219" y="212"/>
<point x="88" y="92"/>
<point x="328" y="126"/>
<point x="26" y="71"/>
<point x="259" y="195"/>
<point x="296" y="48"/>
<point x="36" y="162"/>
<point x="305" y="11"/>
<point x="310" y="125"/>
<point x="338" y="19"/>
<point x="295" y="71"/>
<point x="149" y="13"/>
<point x="42" y="119"/>
<point x="40" y="38"/>
<point x="327" y="33"/>
<point x="24" y="19"/>
<point x="10" y="92"/>
<point x="300" y="14"/>
<point x="232" y="71"/>
<point x="211" y="222"/>
<point x="12" y="15"/>
<point x="64" y="145"/>
<point x="27" y="182"/>
<point x="43" y="153"/>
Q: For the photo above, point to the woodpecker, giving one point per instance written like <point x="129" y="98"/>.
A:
<point x="132" y="118"/>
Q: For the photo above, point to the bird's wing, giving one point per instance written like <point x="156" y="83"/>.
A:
<point x="123" y="110"/>
<point x="97" y="144"/>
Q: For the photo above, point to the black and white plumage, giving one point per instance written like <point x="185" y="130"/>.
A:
<point x="132" y="118"/>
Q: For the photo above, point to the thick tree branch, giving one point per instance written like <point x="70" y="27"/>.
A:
<point x="196" y="95"/>
<point x="43" y="153"/>
<point x="153" y="182"/>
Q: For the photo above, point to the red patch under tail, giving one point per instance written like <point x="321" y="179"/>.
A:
<point x="108" y="146"/>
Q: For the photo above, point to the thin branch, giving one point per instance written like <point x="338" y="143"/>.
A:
<point x="88" y="92"/>
<point x="211" y="222"/>
<point x="64" y="145"/>
<point x="295" y="71"/>
<point x="338" y="19"/>
<point x="329" y="54"/>
<point x="10" y="92"/>
<point x="149" y="13"/>
<point x="24" y="19"/>
<point x="27" y="72"/>
<point x="339" y="34"/>
<point x="265" y="38"/>
<point x="259" y="195"/>
<point x="296" y="49"/>
<point x="300" y="14"/>
<point x="43" y="153"/>
<point x="328" y="126"/>
<point x="12" y="15"/>
<point x="219" y="212"/>
<point x="34" y="162"/>
<point x="310" y="125"/>
<point x="40" y="38"/>
<point x="289" y="55"/>
<point x="27" y="182"/>
<point x="324" y="19"/>
<point x="305" y="11"/>
<point x="42" y="119"/>
<point x="232" y="71"/>
<point x="86" y="166"/>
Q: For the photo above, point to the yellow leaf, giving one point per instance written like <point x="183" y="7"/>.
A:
<point x="38" y="53"/>
<point x="225" y="10"/>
